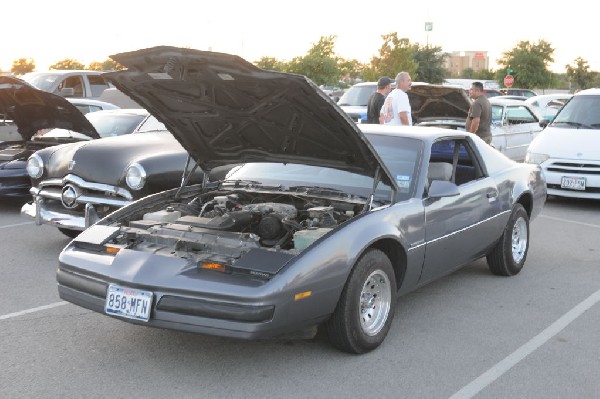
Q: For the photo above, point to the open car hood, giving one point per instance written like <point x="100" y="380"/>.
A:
<point x="32" y="109"/>
<point x="225" y="110"/>
<point x="436" y="101"/>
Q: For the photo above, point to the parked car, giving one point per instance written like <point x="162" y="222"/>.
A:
<point x="514" y="125"/>
<point x="547" y="105"/>
<point x="568" y="149"/>
<point x="69" y="83"/>
<point x="14" y="172"/>
<point x="71" y="192"/>
<point x="325" y="223"/>
<point x="30" y="115"/>
<point x="519" y="92"/>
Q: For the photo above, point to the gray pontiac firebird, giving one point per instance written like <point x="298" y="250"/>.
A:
<point x="320" y="221"/>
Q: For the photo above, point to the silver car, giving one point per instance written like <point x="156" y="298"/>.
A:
<point x="323" y="222"/>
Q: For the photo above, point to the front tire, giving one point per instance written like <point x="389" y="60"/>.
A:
<point x="508" y="256"/>
<point x="365" y="310"/>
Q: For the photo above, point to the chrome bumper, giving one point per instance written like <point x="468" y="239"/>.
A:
<point x="65" y="220"/>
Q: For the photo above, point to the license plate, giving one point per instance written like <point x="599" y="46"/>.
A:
<point x="573" y="183"/>
<point x="128" y="302"/>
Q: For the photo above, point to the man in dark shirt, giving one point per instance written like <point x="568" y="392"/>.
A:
<point x="479" y="120"/>
<point x="384" y="85"/>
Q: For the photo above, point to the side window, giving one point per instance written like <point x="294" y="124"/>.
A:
<point x="74" y="82"/>
<point x="519" y="114"/>
<point x="84" y="109"/>
<point x="453" y="160"/>
<point x="97" y="85"/>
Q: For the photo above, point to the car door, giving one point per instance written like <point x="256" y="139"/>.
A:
<point x="519" y="127"/>
<point x="459" y="228"/>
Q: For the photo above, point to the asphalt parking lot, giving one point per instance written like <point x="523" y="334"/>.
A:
<point x="470" y="334"/>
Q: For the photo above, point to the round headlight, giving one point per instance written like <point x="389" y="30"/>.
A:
<point x="135" y="177"/>
<point x="35" y="166"/>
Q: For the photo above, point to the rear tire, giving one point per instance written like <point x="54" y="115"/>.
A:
<point x="69" y="233"/>
<point x="366" y="308"/>
<point x="508" y="256"/>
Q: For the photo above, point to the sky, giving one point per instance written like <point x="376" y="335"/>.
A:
<point x="92" y="31"/>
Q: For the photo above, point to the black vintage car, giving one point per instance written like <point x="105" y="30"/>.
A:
<point x="77" y="184"/>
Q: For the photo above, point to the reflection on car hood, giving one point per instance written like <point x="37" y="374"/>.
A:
<point x="225" y="110"/>
<point x="436" y="101"/>
<point x="32" y="109"/>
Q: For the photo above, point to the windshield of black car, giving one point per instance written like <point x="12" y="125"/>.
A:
<point x="582" y="112"/>
<point x="400" y="155"/>
<point x="113" y="124"/>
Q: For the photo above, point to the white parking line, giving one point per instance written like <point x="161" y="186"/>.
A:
<point x="14" y="225"/>
<point x="596" y="226"/>
<point x="511" y="360"/>
<point x="32" y="310"/>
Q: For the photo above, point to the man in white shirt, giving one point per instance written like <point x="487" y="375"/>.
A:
<point x="396" y="108"/>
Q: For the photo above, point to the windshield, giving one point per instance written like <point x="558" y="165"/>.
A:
<point x="582" y="112"/>
<point x="110" y="124"/>
<point x="399" y="154"/>
<point x="357" y="95"/>
<point x="42" y="81"/>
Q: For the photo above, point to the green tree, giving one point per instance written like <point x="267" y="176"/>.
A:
<point x="467" y="73"/>
<point x="67" y="64"/>
<point x="271" y="64"/>
<point x="320" y="64"/>
<point x="430" y="64"/>
<point x="529" y="63"/>
<point x="106" y="65"/>
<point x="580" y="73"/>
<point x="484" y="74"/>
<point x="22" y="66"/>
<point x="395" y="55"/>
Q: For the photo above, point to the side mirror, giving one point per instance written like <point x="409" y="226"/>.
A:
<point x="67" y="92"/>
<point x="544" y="122"/>
<point x="442" y="188"/>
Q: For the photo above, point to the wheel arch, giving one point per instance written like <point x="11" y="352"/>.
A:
<point x="526" y="199"/>
<point x="397" y="255"/>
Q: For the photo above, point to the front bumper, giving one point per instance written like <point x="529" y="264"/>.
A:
<point x="194" y="312"/>
<point x="92" y="202"/>
<point x="75" y="220"/>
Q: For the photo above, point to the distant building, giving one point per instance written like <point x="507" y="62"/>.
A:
<point x="458" y="61"/>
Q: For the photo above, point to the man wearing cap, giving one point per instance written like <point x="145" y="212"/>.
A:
<point x="384" y="85"/>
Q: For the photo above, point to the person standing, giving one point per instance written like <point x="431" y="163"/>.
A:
<point x="384" y="85"/>
<point x="396" y="108"/>
<point x="479" y="119"/>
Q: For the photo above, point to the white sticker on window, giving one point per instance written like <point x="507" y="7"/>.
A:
<point x="225" y="76"/>
<point x="403" y="182"/>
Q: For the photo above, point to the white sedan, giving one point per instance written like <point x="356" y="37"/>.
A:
<point x="568" y="149"/>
